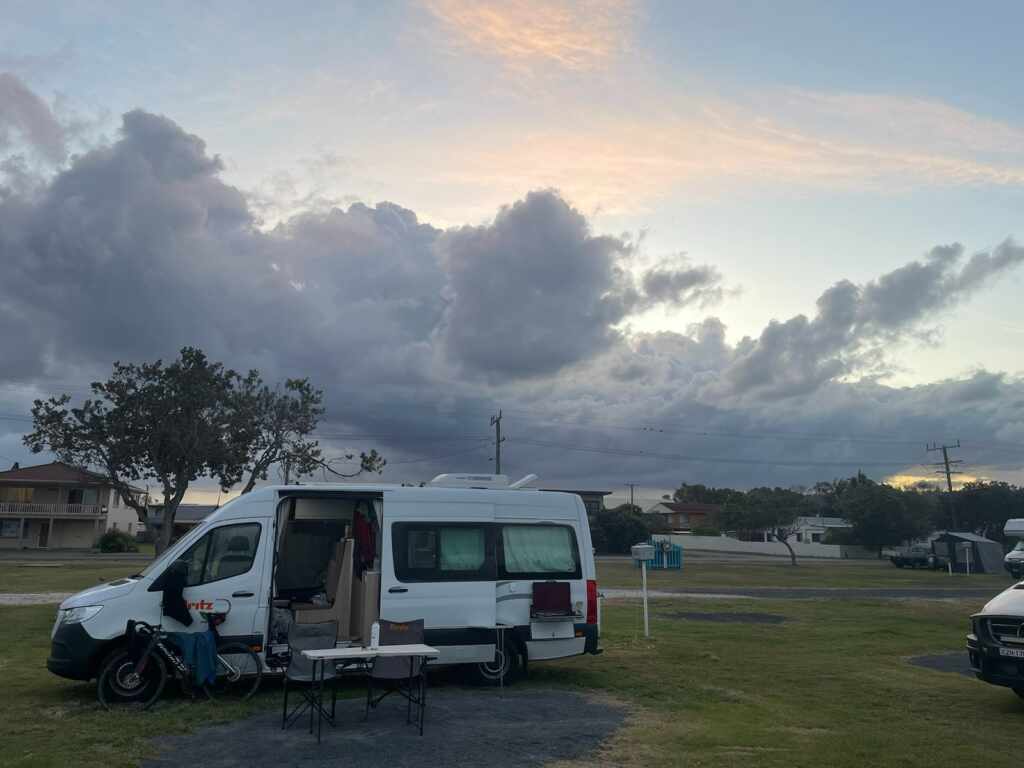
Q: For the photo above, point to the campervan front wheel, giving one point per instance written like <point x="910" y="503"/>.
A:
<point x="505" y="665"/>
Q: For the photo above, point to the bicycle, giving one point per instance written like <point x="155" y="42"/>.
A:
<point x="128" y="677"/>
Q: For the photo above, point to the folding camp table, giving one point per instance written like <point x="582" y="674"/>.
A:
<point x="352" y="655"/>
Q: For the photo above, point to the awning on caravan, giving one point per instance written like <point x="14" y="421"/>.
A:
<point x="961" y="547"/>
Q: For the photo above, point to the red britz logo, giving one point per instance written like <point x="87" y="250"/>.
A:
<point x="200" y="605"/>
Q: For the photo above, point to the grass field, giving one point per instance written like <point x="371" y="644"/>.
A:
<point x="829" y="686"/>
<point x="703" y="573"/>
<point x="64" y="577"/>
<point x="696" y="574"/>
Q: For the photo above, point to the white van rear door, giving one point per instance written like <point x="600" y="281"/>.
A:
<point x="439" y="564"/>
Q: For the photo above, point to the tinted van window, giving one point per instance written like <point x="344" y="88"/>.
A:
<point x="539" y="552"/>
<point x="442" y="552"/>
<point x="222" y="553"/>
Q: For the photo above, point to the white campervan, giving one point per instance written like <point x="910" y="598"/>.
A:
<point x="480" y="561"/>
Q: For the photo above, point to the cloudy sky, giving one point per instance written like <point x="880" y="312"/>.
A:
<point x="725" y="243"/>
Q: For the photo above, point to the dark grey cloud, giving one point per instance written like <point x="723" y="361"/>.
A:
<point x="26" y="117"/>
<point x="796" y="356"/>
<point x="681" y="285"/>
<point x="139" y="247"/>
<point x="535" y="290"/>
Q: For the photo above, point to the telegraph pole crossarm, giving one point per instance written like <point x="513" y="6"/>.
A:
<point x="945" y="469"/>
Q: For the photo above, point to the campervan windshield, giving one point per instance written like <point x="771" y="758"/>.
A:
<point x="158" y="565"/>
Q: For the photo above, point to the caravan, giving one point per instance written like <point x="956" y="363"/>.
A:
<point x="501" y="575"/>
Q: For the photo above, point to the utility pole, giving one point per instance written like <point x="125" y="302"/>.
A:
<point x="945" y="470"/>
<point x="498" y="440"/>
<point x="631" y="487"/>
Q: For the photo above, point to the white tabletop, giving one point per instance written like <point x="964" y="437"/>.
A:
<point x="359" y="652"/>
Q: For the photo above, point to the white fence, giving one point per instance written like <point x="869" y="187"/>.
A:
<point x="726" y="544"/>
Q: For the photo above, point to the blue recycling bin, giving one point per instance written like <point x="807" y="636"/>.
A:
<point x="666" y="556"/>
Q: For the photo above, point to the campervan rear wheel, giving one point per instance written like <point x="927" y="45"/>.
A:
<point x="505" y="665"/>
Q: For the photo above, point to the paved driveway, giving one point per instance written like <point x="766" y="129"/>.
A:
<point x="464" y="727"/>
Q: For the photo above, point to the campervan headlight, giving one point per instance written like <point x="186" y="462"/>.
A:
<point x="78" y="615"/>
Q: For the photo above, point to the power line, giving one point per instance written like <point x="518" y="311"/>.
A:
<point x="437" y="458"/>
<point x="634" y="453"/>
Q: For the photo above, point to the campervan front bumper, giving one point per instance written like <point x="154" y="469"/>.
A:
<point x="74" y="654"/>
<point x="993" y="660"/>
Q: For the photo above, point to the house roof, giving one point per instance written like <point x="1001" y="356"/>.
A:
<point x="193" y="513"/>
<point x="824" y="522"/>
<point x="967" y="537"/>
<point x="577" y="492"/>
<point x="187" y="514"/>
<point x="686" y="507"/>
<point x="54" y="473"/>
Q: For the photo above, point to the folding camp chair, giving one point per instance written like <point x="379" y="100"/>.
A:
<point x="405" y="675"/>
<point x="309" y="637"/>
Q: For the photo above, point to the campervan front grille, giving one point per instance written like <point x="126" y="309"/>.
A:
<point x="1007" y="630"/>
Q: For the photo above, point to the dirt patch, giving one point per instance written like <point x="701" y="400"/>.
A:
<point x="464" y="727"/>
<point x="725" y="617"/>
<point x="33" y="598"/>
<point x="957" y="662"/>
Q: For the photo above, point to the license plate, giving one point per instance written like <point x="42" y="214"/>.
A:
<point x="1017" y="653"/>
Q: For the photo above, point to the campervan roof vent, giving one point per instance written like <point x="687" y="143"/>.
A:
<point x="458" y="480"/>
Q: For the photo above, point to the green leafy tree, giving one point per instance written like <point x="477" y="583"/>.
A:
<point x="773" y="510"/>
<point x="881" y="515"/>
<point x="150" y="422"/>
<point x="274" y="426"/>
<point x="982" y="507"/>
<point x="620" y="528"/>
<point x="703" y="494"/>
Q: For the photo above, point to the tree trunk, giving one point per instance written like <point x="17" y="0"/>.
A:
<point x="792" y="554"/>
<point x="163" y="538"/>
<point x="171" y="504"/>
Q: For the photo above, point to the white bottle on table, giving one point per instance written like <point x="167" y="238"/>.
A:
<point x="375" y="635"/>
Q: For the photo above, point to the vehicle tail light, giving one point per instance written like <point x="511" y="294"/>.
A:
<point x="591" y="601"/>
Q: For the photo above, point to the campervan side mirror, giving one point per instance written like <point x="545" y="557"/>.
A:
<point x="176" y="571"/>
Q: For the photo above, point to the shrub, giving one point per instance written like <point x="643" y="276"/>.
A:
<point x="116" y="541"/>
<point x="614" y="531"/>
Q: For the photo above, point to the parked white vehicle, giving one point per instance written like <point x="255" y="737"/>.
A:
<point x="465" y="559"/>
<point x="996" y="641"/>
<point x="1014" y="560"/>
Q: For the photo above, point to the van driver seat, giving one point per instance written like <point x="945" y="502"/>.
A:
<point x="237" y="560"/>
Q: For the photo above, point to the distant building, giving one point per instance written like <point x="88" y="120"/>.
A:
<point x="684" y="515"/>
<point x="57" y="506"/>
<point x="813" y="529"/>
<point x="593" y="501"/>
<point x="187" y="517"/>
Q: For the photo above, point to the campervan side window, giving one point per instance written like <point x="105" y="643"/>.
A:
<point x="222" y="553"/>
<point x="441" y="552"/>
<point x="539" y="552"/>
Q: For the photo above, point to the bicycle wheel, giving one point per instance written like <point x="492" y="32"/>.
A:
<point x="239" y="672"/>
<point x="120" y="682"/>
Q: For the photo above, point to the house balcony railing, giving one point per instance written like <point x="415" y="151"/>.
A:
<point x="22" y="509"/>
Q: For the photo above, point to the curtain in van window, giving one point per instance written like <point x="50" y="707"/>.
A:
<point x="538" y="549"/>
<point x="462" y="549"/>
